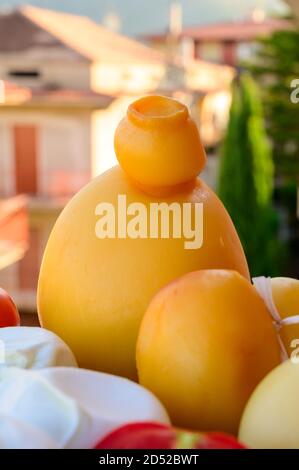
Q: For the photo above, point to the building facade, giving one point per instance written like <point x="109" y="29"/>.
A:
<point x="55" y="86"/>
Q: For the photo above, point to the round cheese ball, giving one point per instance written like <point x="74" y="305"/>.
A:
<point x="271" y="417"/>
<point x="205" y="342"/>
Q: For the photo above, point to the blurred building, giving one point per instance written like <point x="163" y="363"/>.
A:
<point x="224" y="43"/>
<point x="45" y="139"/>
<point x="58" y="71"/>
<point x="65" y="82"/>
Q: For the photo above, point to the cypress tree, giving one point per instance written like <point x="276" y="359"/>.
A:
<point x="246" y="178"/>
<point x="276" y="69"/>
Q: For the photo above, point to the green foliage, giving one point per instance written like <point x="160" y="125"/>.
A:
<point x="246" y="179"/>
<point x="275" y="67"/>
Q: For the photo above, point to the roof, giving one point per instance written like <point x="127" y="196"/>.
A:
<point x="18" y="33"/>
<point x="237" y="31"/>
<point x="78" y="33"/>
<point x="240" y="31"/>
<point x="12" y="94"/>
<point x="29" y="27"/>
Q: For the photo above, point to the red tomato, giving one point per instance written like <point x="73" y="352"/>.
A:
<point x="9" y="315"/>
<point x="159" y="436"/>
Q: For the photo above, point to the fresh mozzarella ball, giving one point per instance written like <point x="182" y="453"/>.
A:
<point x="33" y="348"/>
<point x="15" y="434"/>
<point x="72" y="408"/>
<point x="34" y="401"/>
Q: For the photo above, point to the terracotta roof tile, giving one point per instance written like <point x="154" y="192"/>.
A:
<point x="14" y="94"/>
<point x="236" y="31"/>
<point x="246" y="30"/>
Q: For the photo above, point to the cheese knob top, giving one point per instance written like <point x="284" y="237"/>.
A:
<point x="158" y="144"/>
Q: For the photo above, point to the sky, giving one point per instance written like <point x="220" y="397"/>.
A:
<point x="146" y="16"/>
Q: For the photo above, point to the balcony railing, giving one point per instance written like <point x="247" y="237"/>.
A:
<point x="14" y="230"/>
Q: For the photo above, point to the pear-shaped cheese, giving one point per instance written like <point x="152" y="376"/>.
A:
<point x="123" y="237"/>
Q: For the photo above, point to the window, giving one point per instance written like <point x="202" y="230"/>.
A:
<point x="24" y="74"/>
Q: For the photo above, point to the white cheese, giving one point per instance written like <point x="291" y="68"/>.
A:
<point x="33" y="348"/>
<point x="64" y="407"/>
